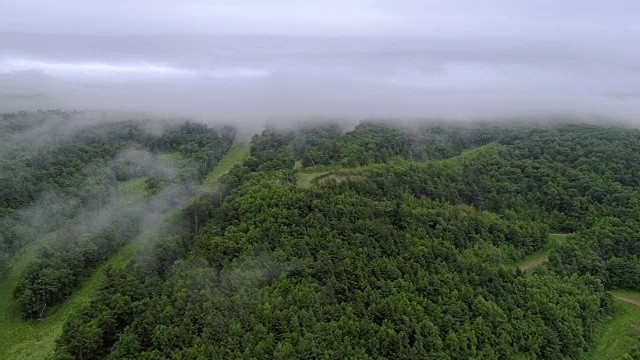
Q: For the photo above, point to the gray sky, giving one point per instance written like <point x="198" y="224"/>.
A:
<point x="331" y="57"/>
<point x="549" y="19"/>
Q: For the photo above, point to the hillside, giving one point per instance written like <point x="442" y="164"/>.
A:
<point x="143" y="185"/>
<point x="480" y="240"/>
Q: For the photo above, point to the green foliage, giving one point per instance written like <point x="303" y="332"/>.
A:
<point x="80" y="174"/>
<point x="618" y="336"/>
<point x="97" y="326"/>
<point x="62" y="167"/>
<point x="407" y="252"/>
<point x="123" y="294"/>
<point x="610" y="250"/>
<point x="405" y="260"/>
<point x="634" y="354"/>
<point x="196" y="141"/>
<point x="65" y="262"/>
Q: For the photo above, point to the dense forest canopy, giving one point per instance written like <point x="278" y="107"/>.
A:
<point x="375" y="242"/>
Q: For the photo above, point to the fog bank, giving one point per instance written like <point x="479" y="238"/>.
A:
<point x="231" y="78"/>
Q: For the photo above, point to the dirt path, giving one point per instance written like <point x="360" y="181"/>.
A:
<point x="534" y="260"/>
<point x="628" y="300"/>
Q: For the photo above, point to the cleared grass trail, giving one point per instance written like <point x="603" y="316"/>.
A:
<point x="628" y="300"/>
<point x="20" y="339"/>
<point x="618" y="335"/>
<point x="534" y="260"/>
<point x="235" y="155"/>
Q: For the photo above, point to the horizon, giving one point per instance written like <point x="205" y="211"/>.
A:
<point x="354" y="59"/>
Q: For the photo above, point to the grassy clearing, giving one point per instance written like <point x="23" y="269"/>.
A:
<point x="133" y="188"/>
<point x="308" y="176"/>
<point x="305" y="176"/>
<point x="20" y="339"/>
<point x="471" y="154"/>
<point x="534" y="260"/>
<point x="628" y="296"/>
<point x="557" y="238"/>
<point x="9" y="316"/>
<point x="170" y="158"/>
<point x="617" y="336"/>
<point x="339" y="177"/>
<point x="631" y="294"/>
<point x="306" y="179"/>
<point x="235" y="155"/>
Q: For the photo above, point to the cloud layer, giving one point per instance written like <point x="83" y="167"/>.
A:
<point x="332" y="58"/>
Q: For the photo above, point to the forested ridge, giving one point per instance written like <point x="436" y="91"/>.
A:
<point x="84" y="210"/>
<point x="402" y="246"/>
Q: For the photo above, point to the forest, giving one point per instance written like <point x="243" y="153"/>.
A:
<point x="383" y="241"/>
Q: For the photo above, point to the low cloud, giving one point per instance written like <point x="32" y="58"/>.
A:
<point x="257" y="79"/>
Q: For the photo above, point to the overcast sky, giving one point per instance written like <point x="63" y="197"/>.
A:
<point x="582" y="19"/>
<point x="549" y="55"/>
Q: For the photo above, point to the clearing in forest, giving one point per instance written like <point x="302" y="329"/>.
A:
<point x="236" y="155"/>
<point x="534" y="260"/>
